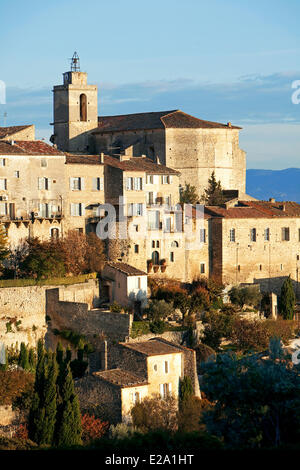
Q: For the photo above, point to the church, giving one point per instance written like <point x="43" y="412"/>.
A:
<point x="192" y="146"/>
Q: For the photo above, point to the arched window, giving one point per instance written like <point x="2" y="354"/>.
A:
<point x="155" y="257"/>
<point x="175" y="244"/>
<point x="83" y="108"/>
<point x="54" y="233"/>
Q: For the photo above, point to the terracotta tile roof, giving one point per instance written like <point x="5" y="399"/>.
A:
<point x="143" y="164"/>
<point x="122" y="378"/>
<point x="153" y="347"/>
<point x="6" y="131"/>
<point x="256" y="209"/>
<point x="155" y="120"/>
<point x="83" y="159"/>
<point x="126" y="269"/>
<point x="27" y="147"/>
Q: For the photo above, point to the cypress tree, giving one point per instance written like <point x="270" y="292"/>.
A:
<point x="186" y="389"/>
<point x="213" y="195"/>
<point x="59" y="353"/>
<point x="24" y="357"/>
<point x="32" y="359"/>
<point x="37" y="410"/>
<point x="50" y="400"/>
<point x="287" y="300"/>
<point x="68" y="424"/>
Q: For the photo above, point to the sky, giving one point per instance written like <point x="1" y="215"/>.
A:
<point x="233" y="60"/>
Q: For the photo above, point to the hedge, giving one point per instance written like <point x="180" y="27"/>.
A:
<point x="47" y="282"/>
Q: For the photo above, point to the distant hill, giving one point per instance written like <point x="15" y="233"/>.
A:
<point x="283" y="185"/>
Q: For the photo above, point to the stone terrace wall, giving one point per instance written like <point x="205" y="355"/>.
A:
<point x="28" y="304"/>
<point x="78" y="317"/>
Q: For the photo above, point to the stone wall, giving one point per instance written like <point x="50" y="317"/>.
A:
<point x="29" y="305"/>
<point x="77" y="316"/>
<point x="99" y="398"/>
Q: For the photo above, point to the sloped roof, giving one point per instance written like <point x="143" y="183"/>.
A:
<point x="122" y="378"/>
<point x="83" y="159"/>
<point x="6" y="131"/>
<point x="126" y="269"/>
<point x="155" y="120"/>
<point x="256" y="209"/>
<point x="27" y="147"/>
<point x="143" y="164"/>
<point x="153" y="347"/>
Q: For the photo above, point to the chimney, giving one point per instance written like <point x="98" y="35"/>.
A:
<point x="12" y="142"/>
<point x="228" y="124"/>
<point x="101" y="157"/>
<point x="282" y="207"/>
<point x="272" y="199"/>
<point x="103" y="353"/>
<point x="157" y="160"/>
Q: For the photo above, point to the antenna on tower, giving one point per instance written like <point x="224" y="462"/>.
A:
<point x="75" y="63"/>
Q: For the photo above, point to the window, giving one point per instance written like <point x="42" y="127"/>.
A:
<point x="155" y="367"/>
<point x="136" y="397"/>
<point x="153" y="244"/>
<point x="76" y="184"/>
<point x="202" y="235"/>
<point x="239" y="268"/>
<point x="285" y="234"/>
<point x="168" y="200"/>
<point x="157" y="244"/>
<point x="166" y="179"/>
<point x="150" y="198"/>
<point x="3" y="208"/>
<point x="2" y="162"/>
<point x="175" y="244"/>
<point x="97" y="184"/>
<point x="153" y="220"/>
<point x="232" y="235"/>
<point x="260" y="267"/>
<point x="134" y="184"/>
<point x="267" y="234"/>
<point x="299" y="234"/>
<point x="136" y="248"/>
<point x="281" y="267"/>
<point x="54" y="233"/>
<point x="253" y="235"/>
<point x="43" y="162"/>
<point x="3" y="184"/>
<point x="77" y="209"/>
<point x="165" y="390"/>
<point x="172" y="258"/>
<point x="155" y="257"/>
<point x="83" y="107"/>
<point x="44" y="210"/>
<point x="44" y="183"/>
<point x="167" y="227"/>
<point x="135" y="209"/>
<point x="17" y="174"/>
<point x="150" y="179"/>
<point x="166" y="367"/>
<point x="202" y="268"/>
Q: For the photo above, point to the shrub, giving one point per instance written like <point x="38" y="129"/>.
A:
<point x="245" y="295"/>
<point x="158" y="310"/>
<point x="122" y="431"/>
<point x="139" y="328"/>
<point x="21" y="432"/>
<point x="92" y="428"/>
<point x="13" y="383"/>
<point x="157" y="327"/>
<point x="155" y="413"/>
<point x="115" y="307"/>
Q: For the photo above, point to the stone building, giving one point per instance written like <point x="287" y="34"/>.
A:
<point x="255" y="241"/>
<point x="137" y="370"/>
<point x="195" y="147"/>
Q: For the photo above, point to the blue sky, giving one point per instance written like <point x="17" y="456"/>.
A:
<point x="225" y="61"/>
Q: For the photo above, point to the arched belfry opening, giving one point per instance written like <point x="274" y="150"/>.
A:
<point x="83" y="107"/>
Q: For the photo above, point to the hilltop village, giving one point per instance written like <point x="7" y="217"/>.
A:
<point x="154" y="257"/>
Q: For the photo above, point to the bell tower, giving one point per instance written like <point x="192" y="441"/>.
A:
<point x="75" y="111"/>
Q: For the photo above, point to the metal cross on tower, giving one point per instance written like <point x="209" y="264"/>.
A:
<point x="75" y="63"/>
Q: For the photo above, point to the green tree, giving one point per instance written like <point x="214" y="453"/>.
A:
<point x="213" y="195"/>
<point x="159" y="310"/>
<point x="42" y="415"/>
<point x="256" y="399"/>
<point x="189" y="195"/>
<point x="245" y="296"/>
<point x="68" y="424"/>
<point x="43" y="260"/>
<point x="287" y="300"/>
<point x="185" y="389"/>
<point x="24" y="357"/>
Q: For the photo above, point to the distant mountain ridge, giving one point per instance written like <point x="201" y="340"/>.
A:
<point x="283" y="185"/>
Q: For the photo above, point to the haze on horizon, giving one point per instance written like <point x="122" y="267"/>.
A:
<point x="221" y="61"/>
